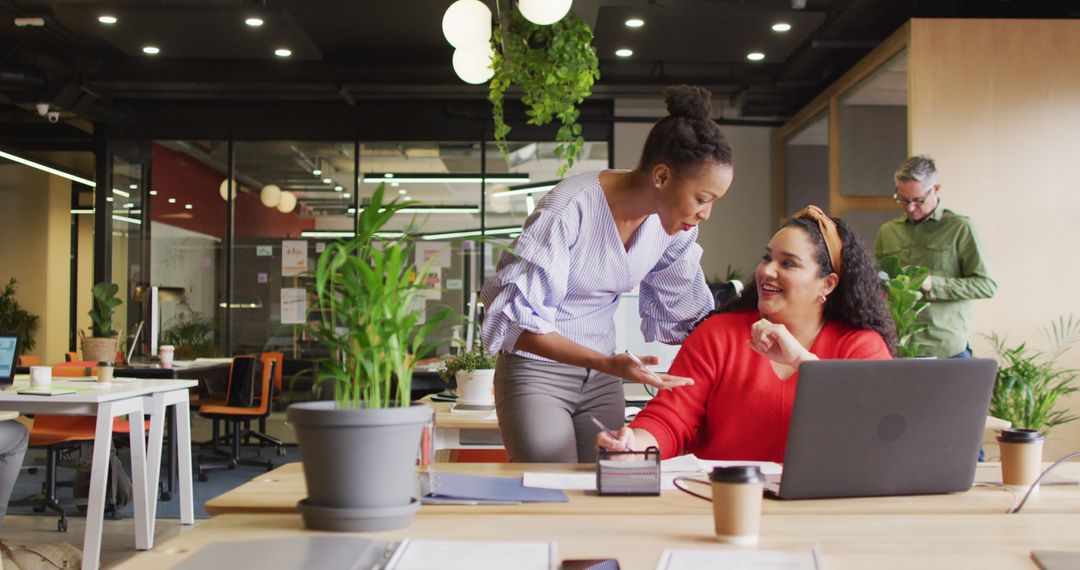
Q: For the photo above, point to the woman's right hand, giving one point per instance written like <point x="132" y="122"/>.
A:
<point x="625" y="441"/>
<point x="623" y="366"/>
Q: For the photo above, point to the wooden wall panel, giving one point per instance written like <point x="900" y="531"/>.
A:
<point x="997" y="104"/>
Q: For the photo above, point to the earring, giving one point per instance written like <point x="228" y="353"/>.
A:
<point x="658" y="186"/>
<point x="823" y="298"/>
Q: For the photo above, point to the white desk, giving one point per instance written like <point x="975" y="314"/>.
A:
<point x="132" y="399"/>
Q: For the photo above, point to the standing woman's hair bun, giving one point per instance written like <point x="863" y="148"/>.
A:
<point x="688" y="101"/>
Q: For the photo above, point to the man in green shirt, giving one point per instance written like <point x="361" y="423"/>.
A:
<point x="944" y="241"/>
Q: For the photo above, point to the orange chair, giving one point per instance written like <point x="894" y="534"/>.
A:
<point x="278" y="360"/>
<point x="241" y="407"/>
<point x="71" y="356"/>
<point x="29" y="360"/>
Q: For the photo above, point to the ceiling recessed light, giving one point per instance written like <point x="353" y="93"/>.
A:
<point x="338" y="188"/>
<point x="133" y="186"/>
<point x="317" y="172"/>
<point x="172" y="200"/>
<point x="282" y="52"/>
<point x="402" y="191"/>
<point x="395" y="184"/>
<point x="129" y="205"/>
<point x="107" y="19"/>
<point x="755" y="56"/>
<point x="624" y="52"/>
<point x="781" y="27"/>
<point x="188" y="206"/>
<point x="254" y="22"/>
<point x="346" y="196"/>
<point x="328" y="180"/>
<point x="635" y="23"/>
<point x="153" y="192"/>
<point x="109" y="199"/>
<point x="151" y="50"/>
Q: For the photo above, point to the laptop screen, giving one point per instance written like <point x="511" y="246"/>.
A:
<point x="8" y="355"/>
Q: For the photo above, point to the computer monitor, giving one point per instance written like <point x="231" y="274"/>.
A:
<point x="9" y="355"/>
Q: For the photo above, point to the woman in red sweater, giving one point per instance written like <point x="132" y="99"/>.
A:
<point x="816" y="296"/>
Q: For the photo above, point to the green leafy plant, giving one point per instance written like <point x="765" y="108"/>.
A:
<point x="191" y="333"/>
<point x="105" y="303"/>
<point x="1029" y="382"/>
<point x="476" y="359"/>
<point x="15" y="319"/>
<point x="555" y="66"/>
<point x="905" y="300"/>
<point x="365" y="291"/>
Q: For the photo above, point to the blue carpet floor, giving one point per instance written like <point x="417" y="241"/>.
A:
<point x="29" y="485"/>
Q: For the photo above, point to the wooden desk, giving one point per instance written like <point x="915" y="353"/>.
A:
<point x="846" y="541"/>
<point x="279" y="490"/>
<point x="106" y="402"/>
<point x="462" y="430"/>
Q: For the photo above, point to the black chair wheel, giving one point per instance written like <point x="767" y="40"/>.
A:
<point x="61" y="525"/>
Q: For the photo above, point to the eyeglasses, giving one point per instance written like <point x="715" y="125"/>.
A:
<point x="914" y="201"/>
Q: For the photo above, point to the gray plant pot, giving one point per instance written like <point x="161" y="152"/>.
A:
<point x="360" y="465"/>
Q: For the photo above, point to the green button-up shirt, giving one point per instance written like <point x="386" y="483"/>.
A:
<point x="946" y="243"/>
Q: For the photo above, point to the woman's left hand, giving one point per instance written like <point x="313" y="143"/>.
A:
<point x="775" y="342"/>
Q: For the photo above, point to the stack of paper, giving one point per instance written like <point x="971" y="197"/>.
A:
<point x="682" y="466"/>
<point x="740" y="559"/>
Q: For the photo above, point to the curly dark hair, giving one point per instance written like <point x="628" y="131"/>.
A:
<point x="857" y="300"/>
<point x="687" y="138"/>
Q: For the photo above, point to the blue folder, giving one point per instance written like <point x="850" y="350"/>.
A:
<point x="454" y="488"/>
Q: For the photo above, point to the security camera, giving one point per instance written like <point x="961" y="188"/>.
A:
<point x="42" y="109"/>
<point x="54" y="116"/>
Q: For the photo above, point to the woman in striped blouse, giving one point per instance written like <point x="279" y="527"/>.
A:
<point x="551" y="304"/>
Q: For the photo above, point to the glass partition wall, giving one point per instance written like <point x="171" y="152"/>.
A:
<point x="216" y="264"/>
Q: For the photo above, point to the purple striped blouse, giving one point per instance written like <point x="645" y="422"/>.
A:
<point x="568" y="268"/>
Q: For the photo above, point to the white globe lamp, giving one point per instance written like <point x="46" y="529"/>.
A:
<point x="287" y="203"/>
<point x="467" y="23"/>
<point x="544" y="12"/>
<point x="473" y="64"/>
<point x="224" y="189"/>
<point x="270" y="195"/>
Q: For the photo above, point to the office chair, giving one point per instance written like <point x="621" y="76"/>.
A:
<point x="277" y="360"/>
<point x="29" y="360"/>
<point x="241" y="407"/>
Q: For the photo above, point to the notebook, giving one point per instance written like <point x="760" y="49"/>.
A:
<point x="885" y="427"/>
<point x="46" y="391"/>
<point x="9" y="354"/>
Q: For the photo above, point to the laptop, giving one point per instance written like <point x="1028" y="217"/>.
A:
<point x="885" y="427"/>
<point x="9" y="356"/>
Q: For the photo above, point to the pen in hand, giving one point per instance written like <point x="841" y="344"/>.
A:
<point x="642" y="365"/>
<point x="608" y="432"/>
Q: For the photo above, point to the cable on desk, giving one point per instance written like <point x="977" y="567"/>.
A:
<point x="1035" y="485"/>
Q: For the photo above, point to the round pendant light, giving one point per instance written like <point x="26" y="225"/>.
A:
<point x="270" y="195"/>
<point x="473" y="64"/>
<point x="287" y="203"/>
<point x="224" y="189"/>
<point x="467" y="23"/>
<point x="544" y="12"/>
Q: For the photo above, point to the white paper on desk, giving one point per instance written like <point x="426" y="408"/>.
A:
<point x="740" y="559"/>
<point x="472" y="555"/>
<point x="579" y="481"/>
<point x="692" y="464"/>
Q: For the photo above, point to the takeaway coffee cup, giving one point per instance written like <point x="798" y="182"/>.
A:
<point x="1021" y="457"/>
<point x="165" y="354"/>
<point x="736" y="499"/>
<point x="40" y="376"/>
<point x="104" y="372"/>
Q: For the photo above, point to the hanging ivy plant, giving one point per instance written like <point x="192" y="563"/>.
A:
<point x="555" y="67"/>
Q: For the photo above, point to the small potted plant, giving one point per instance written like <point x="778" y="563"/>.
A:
<point x="904" y="297"/>
<point x="359" y="451"/>
<point x="474" y="374"/>
<point x="101" y="345"/>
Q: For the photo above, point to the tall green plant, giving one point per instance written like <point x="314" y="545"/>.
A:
<point x="555" y="66"/>
<point x="101" y="311"/>
<point x="16" y="320"/>
<point x="365" y="291"/>
<point x="1029" y="382"/>
<point x="903" y="288"/>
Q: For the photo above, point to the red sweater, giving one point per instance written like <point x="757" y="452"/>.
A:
<point x="738" y="408"/>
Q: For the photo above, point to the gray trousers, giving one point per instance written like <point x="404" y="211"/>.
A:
<point x="544" y="409"/>
<point x="13" y="441"/>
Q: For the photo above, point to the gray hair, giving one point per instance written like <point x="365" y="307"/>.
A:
<point x="919" y="168"/>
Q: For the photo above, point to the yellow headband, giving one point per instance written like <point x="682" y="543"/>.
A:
<point x="828" y="231"/>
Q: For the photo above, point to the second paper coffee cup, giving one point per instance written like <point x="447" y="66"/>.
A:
<point x="1021" y="457"/>
<point x="736" y="499"/>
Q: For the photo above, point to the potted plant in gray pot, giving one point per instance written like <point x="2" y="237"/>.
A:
<point x="101" y="345"/>
<point x="359" y="451"/>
